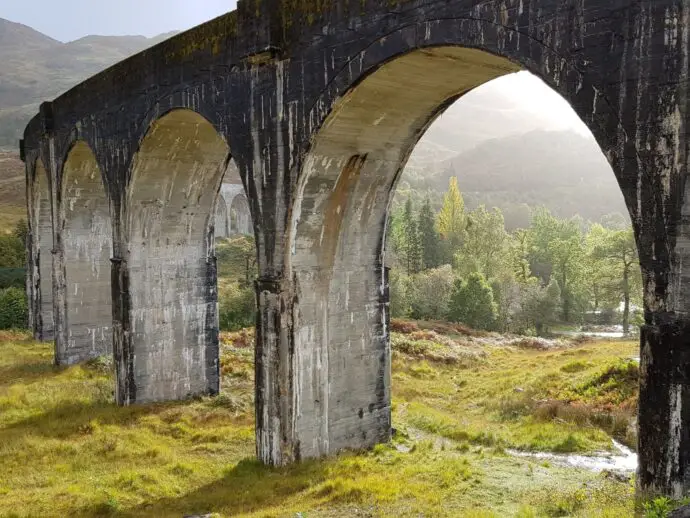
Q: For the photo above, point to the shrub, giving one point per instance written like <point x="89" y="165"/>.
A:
<point x="472" y="303"/>
<point x="429" y="293"/>
<point x="12" y="252"/>
<point x="12" y="278"/>
<point x="403" y="326"/>
<point x="14" y="311"/>
<point x="237" y="307"/>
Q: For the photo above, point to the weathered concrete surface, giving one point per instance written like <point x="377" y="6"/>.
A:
<point x="170" y="348"/>
<point x="40" y="270"/>
<point x="321" y="105"/>
<point x="86" y="232"/>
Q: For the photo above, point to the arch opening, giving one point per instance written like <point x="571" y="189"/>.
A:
<point x="222" y="221"/>
<point x="232" y="215"/>
<point x="240" y="217"/>
<point x="173" y="315"/>
<point x="87" y="249"/>
<point x="338" y="239"/>
<point x="43" y="223"/>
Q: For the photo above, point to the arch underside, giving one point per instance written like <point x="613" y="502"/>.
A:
<point x="45" y="324"/>
<point x="87" y="248"/>
<point x="341" y="337"/>
<point x="173" y="341"/>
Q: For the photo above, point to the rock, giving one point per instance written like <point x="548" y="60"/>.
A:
<point x="616" y="475"/>
<point x="681" y="512"/>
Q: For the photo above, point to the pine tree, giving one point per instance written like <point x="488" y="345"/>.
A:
<point x="428" y="235"/>
<point x="451" y="219"/>
<point x="412" y="246"/>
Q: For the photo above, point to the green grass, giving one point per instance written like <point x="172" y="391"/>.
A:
<point x="67" y="450"/>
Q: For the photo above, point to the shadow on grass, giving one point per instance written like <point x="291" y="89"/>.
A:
<point x="29" y="373"/>
<point x="249" y="486"/>
<point x="74" y="418"/>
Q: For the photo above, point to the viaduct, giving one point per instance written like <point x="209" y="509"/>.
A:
<point x="318" y="103"/>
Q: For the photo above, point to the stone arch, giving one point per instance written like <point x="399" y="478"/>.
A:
<point x="222" y="219"/>
<point x="171" y="349"/>
<point x="240" y="216"/>
<point x="336" y="243"/>
<point x="86" y="237"/>
<point x="42" y="268"/>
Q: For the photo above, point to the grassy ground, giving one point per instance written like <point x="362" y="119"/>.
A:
<point x="459" y="401"/>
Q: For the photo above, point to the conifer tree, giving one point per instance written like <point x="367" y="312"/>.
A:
<point x="428" y="235"/>
<point x="451" y="219"/>
<point x="412" y="242"/>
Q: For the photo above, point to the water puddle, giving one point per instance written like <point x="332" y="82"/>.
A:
<point x="623" y="460"/>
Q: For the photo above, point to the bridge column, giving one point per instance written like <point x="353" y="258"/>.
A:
<point x="664" y="415"/>
<point x="316" y="397"/>
<point x="276" y="402"/>
<point x="40" y="244"/>
<point x="664" y="403"/>
<point x="84" y="247"/>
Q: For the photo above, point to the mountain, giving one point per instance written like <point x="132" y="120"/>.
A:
<point x="562" y="170"/>
<point x="35" y="68"/>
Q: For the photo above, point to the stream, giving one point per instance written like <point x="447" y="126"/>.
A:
<point x="622" y="460"/>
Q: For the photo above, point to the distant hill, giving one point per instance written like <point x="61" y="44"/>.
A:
<point x="562" y="170"/>
<point x="34" y="68"/>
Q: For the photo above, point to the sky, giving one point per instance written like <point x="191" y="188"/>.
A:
<point x="67" y="20"/>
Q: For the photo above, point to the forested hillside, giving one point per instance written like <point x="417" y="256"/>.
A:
<point x="561" y="170"/>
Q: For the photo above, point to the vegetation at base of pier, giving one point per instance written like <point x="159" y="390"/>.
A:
<point x="461" y="400"/>
<point x="13" y="302"/>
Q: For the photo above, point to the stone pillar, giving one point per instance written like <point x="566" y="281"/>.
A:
<point x="40" y="244"/>
<point x="276" y="398"/>
<point x="664" y="408"/>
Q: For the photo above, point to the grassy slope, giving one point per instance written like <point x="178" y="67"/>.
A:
<point x="12" y="191"/>
<point x="66" y="450"/>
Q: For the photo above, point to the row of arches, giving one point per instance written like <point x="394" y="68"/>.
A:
<point x="168" y="243"/>
<point x="323" y="348"/>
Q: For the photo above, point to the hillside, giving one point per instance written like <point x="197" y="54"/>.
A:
<point x="35" y="68"/>
<point x="12" y="191"/>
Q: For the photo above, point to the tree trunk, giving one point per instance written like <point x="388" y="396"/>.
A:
<point x="565" y="296"/>
<point x="626" y="300"/>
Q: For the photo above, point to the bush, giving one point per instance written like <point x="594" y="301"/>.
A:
<point x="237" y="307"/>
<point x="12" y="278"/>
<point x="403" y="326"/>
<point x="472" y="303"/>
<point x="430" y="292"/>
<point x="14" y="310"/>
<point x="12" y="252"/>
